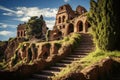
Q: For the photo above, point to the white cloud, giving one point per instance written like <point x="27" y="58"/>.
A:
<point x="4" y="25"/>
<point x="8" y="14"/>
<point x="6" y="33"/>
<point x="24" y="19"/>
<point x="35" y="11"/>
<point x="7" y="9"/>
<point x="24" y="13"/>
<point x="50" y="24"/>
<point x="66" y="0"/>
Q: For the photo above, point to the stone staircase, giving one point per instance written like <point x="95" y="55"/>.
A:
<point x="85" y="47"/>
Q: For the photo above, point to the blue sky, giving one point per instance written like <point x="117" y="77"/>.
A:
<point x="14" y="12"/>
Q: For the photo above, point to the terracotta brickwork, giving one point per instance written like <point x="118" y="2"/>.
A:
<point x="21" y="31"/>
<point x="68" y="21"/>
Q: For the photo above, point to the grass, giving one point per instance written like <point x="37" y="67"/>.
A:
<point x="89" y="60"/>
<point x="97" y="56"/>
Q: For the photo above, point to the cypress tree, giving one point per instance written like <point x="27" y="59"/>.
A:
<point x="105" y="28"/>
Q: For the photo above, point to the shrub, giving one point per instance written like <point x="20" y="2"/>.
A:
<point x="103" y="18"/>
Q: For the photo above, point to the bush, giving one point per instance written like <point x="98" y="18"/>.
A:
<point x="105" y="28"/>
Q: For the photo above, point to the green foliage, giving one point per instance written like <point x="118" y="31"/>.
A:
<point x="11" y="39"/>
<point x="34" y="27"/>
<point x="47" y="35"/>
<point x="2" y="43"/>
<point x="89" y="60"/>
<point x="14" y="59"/>
<point x="102" y="18"/>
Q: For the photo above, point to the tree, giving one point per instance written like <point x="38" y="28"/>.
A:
<point x="103" y="17"/>
<point x="34" y="27"/>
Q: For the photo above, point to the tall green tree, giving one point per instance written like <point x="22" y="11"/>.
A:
<point x="104" y="17"/>
<point x="34" y="27"/>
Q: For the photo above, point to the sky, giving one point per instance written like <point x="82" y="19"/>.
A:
<point x="15" y="12"/>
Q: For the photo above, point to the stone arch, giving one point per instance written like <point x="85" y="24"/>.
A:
<point x="21" y="33"/>
<point x="59" y="20"/>
<point x="24" y="33"/>
<point x="63" y="19"/>
<point x="70" y="28"/>
<point x="45" y="55"/>
<point x="87" y="25"/>
<point x="60" y="27"/>
<point x="80" y="26"/>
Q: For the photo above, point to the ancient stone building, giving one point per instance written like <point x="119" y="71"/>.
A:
<point x="21" y="30"/>
<point x="68" y="20"/>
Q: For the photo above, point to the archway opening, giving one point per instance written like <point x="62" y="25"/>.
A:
<point x="59" y="20"/>
<point x="70" y="28"/>
<point x="80" y="26"/>
<point x="18" y="34"/>
<point x="45" y="55"/>
<point x="63" y="19"/>
<point x="87" y="26"/>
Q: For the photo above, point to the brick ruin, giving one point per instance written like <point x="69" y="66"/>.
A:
<point x="21" y="30"/>
<point x="67" y="21"/>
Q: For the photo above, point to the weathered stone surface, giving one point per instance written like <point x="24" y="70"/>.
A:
<point x="91" y="72"/>
<point x="3" y="46"/>
<point x="68" y="21"/>
<point x="75" y="76"/>
<point x="100" y="71"/>
<point x="11" y="47"/>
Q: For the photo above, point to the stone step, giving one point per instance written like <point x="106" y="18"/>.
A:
<point x="86" y="39"/>
<point x="49" y="72"/>
<point x="77" y="56"/>
<point x="61" y="64"/>
<point x="72" y="58"/>
<point x="84" y="48"/>
<point x="82" y="51"/>
<point x="41" y="76"/>
<point x="87" y="48"/>
<point x="88" y="44"/>
<point x="66" y="61"/>
<point x="56" y="68"/>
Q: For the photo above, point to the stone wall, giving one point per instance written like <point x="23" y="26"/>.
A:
<point x="69" y="21"/>
<point x="11" y="47"/>
<point x="29" y="58"/>
<point x="101" y="70"/>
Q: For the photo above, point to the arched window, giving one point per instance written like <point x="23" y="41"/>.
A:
<point x="80" y="26"/>
<point x="21" y="33"/>
<point x="70" y="28"/>
<point x="60" y="27"/>
<point x="59" y="20"/>
<point x="63" y="19"/>
<point x="24" y="33"/>
<point x="18" y="34"/>
<point x="63" y="26"/>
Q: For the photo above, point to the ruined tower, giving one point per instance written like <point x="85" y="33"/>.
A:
<point x="68" y="20"/>
<point x="21" y="29"/>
